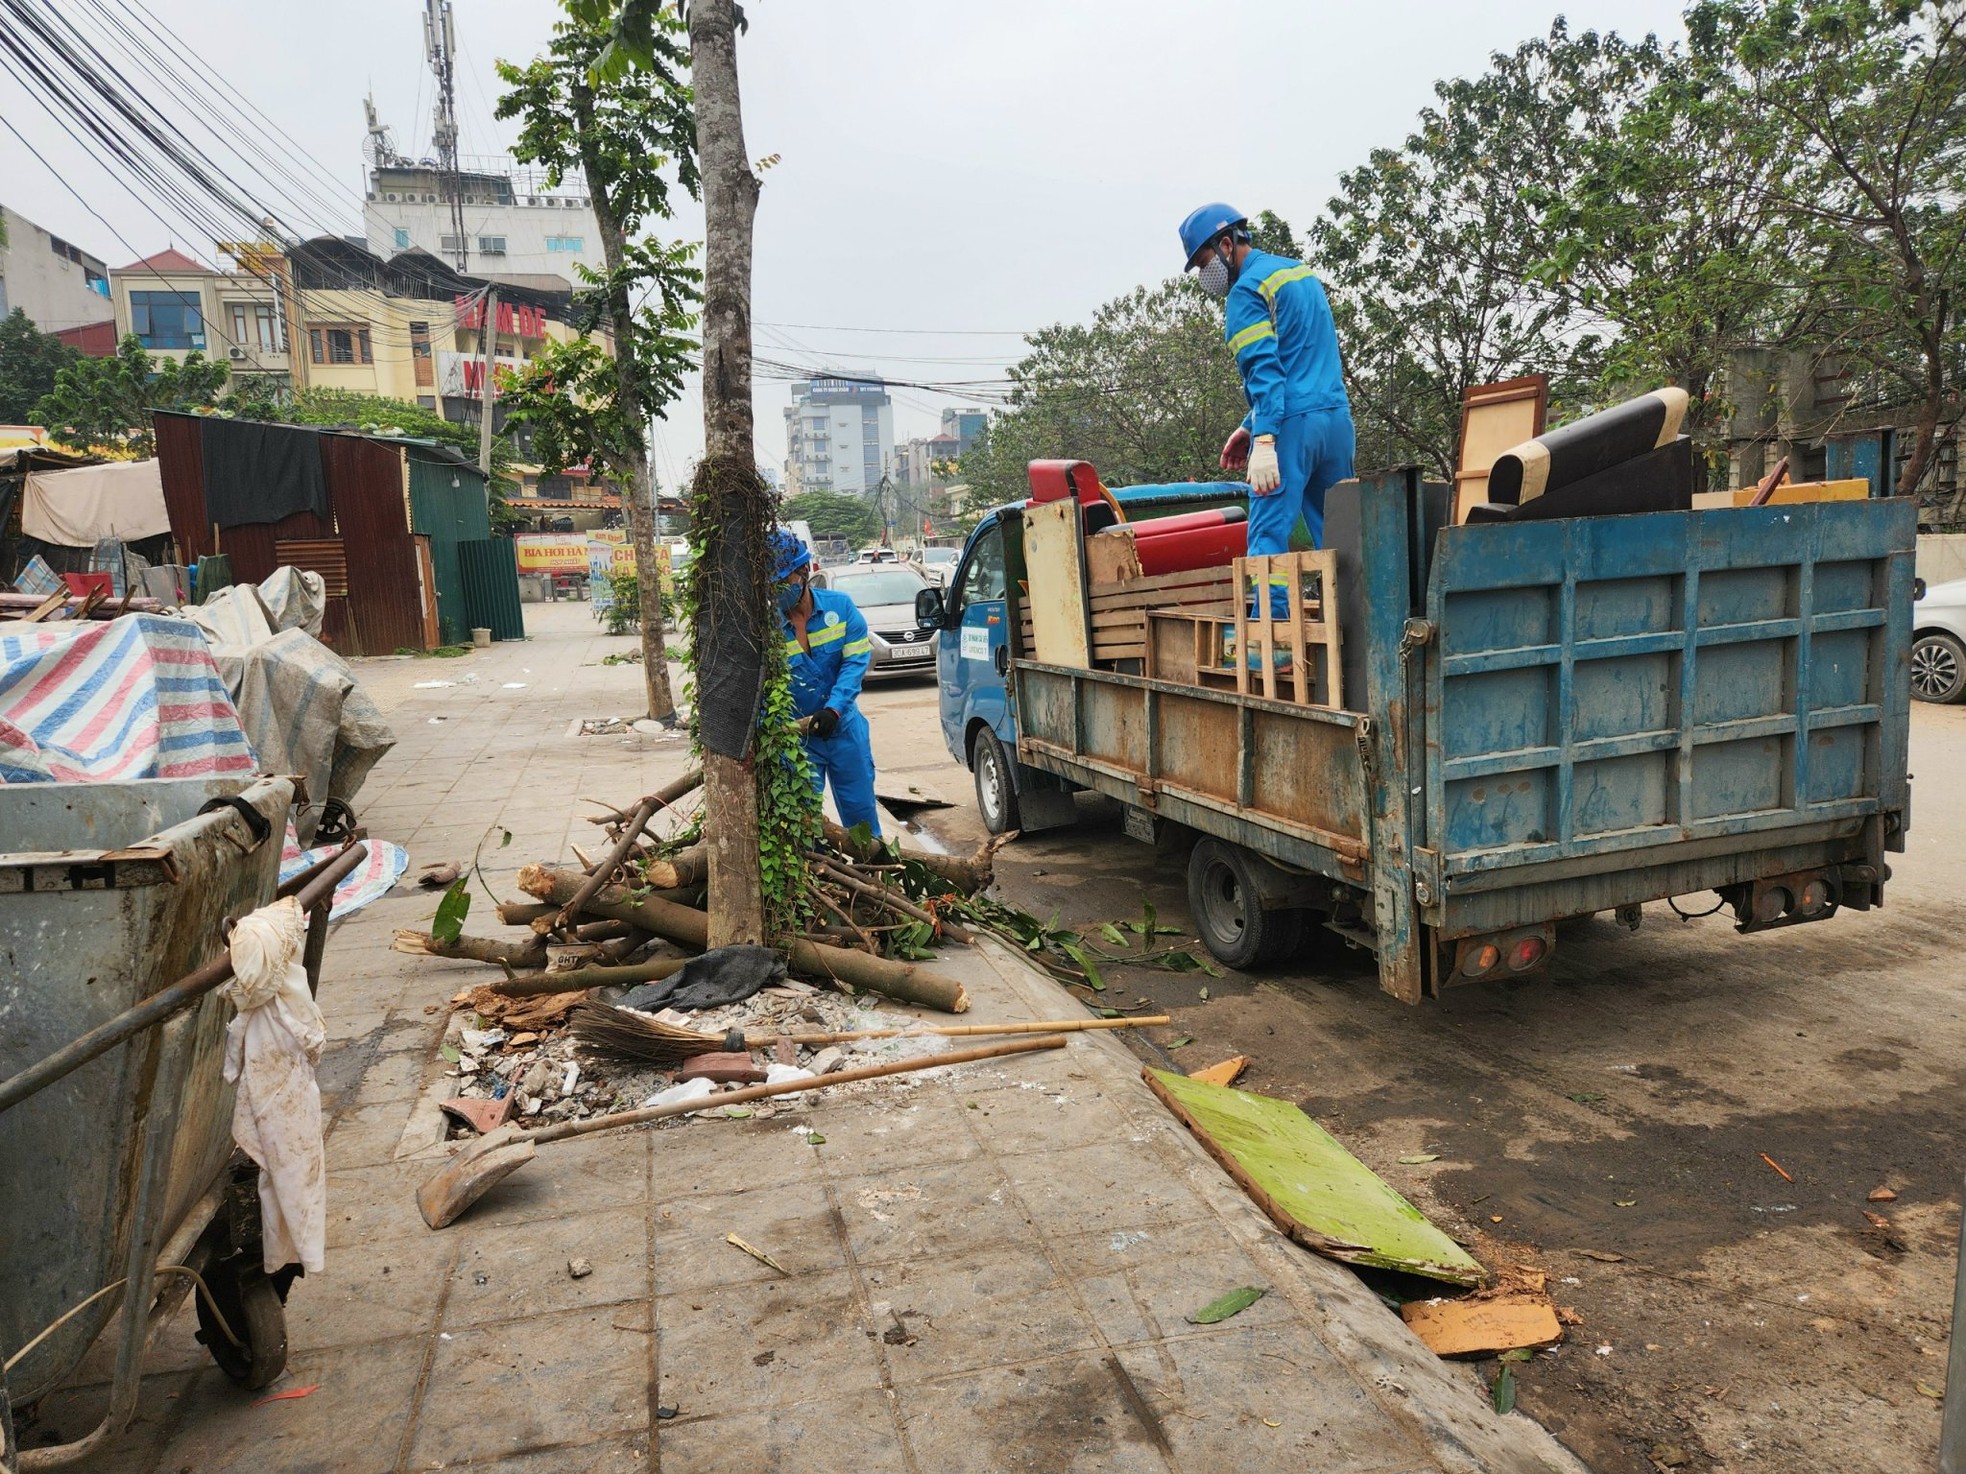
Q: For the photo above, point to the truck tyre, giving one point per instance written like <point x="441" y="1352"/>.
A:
<point x="1224" y="898"/>
<point x="996" y="791"/>
<point x="1938" y="667"/>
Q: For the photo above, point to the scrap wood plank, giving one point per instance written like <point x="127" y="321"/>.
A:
<point x="1481" y="1327"/>
<point x="1311" y="1187"/>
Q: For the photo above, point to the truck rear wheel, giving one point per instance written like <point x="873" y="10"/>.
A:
<point x="996" y="790"/>
<point x="1225" y="899"/>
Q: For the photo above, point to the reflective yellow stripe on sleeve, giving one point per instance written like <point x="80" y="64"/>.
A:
<point x="1255" y="332"/>
<point x="861" y="646"/>
<point x="794" y="648"/>
<point x="1270" y="285"/>
<point x="825" y="635"/>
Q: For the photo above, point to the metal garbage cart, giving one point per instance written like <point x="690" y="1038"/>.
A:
<point x="121" y="1185"/>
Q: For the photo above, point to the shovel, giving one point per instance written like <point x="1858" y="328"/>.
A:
<point x="466" y="1177"/>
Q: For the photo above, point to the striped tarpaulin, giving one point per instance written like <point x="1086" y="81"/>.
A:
<point x="99" y="702"/>
<point x="369" y="881"/>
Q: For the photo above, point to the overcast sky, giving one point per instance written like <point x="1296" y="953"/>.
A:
<point x="951" y="176"/>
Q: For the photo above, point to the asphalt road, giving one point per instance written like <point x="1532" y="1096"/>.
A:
<point x="1608" y="1120"/>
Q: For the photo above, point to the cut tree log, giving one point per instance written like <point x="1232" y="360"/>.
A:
<point x="524" y="955"/>
<point x="525" y="913"/>
<point x="685" y="924"/>
<point x="969" y="874"/>
<point x="576" y="979"/>
<point x="662" y="798"/>
<point x="685" y="868"/>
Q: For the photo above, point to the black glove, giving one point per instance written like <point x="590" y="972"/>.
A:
<point x="825" y="722"/>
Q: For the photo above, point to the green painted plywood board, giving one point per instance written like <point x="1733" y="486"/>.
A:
<point x="1312" y="1188"/>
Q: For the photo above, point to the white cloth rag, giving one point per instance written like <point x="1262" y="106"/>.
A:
<point x="270" y="1051"/>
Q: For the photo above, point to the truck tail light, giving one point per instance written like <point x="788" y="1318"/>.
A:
<point x="1518" y="950"/>
<point x="1526" y="953"/>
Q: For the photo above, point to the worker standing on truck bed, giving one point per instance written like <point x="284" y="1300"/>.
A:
<point x="827" y="646"/>
<point x="1297" y="438"/>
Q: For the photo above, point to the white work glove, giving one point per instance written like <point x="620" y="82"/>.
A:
<point x="1235" y="450"/>
<point x="1264" y="477"/>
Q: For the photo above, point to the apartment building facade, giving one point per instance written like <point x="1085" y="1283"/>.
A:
<point x="62" y="288"/>
<point x="839" y="435"/>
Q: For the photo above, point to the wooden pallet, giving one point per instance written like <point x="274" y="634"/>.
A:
<point x="1314" y="675"/>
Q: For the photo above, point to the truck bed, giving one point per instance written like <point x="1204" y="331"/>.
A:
<point x="1555" y="718"/>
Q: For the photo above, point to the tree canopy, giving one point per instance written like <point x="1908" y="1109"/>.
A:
<point x="1619" y="214"/>
<point x="1146" y="391"/>
<point x="833" y="514"/>
<point x="105" y="403"/>
<point x="30" y="360"/>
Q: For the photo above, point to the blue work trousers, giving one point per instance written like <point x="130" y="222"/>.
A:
<point x="1314" y="453"/>
<point x="847" y="758"/>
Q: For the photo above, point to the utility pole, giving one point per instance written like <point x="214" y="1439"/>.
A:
<point x="488" y="338"/>
<point x="733" y="572"/>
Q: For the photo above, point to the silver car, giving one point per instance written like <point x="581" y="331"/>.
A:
<point x="1938" y="641"/>
<point x="885" y="595"/>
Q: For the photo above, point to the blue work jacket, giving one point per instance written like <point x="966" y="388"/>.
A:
<point x="1278" y="325"/>
<point x="841" y="652"/>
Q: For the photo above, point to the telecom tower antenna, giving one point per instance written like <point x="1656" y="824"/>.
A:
<point x="439" y="46"/>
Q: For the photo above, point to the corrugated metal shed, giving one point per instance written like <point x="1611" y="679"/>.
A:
<point x="385" y="603"/>
<point x="369" y="483"/>
<point x="448" y="505"/>
<point x="491" y="586"/>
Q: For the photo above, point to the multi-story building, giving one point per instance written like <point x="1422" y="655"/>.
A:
<point x="963" y="426"/>
<point x="839" y="435"/>
<point x="411" y="328"/>
<point x="915" y="460"/>
<point x="177" y="306"/>
<point x="62" y="288"/>
<point x="514" y="226"/>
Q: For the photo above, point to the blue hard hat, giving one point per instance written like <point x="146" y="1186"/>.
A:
<point x="789" y="554"/>
<point x="1203" y="225"/>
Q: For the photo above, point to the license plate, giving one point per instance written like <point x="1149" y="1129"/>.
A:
<point x="910" y="652"/>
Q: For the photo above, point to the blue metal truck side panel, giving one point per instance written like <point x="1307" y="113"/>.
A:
<point x="1603" y="687"/>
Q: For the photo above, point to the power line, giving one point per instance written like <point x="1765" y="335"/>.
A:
<point x="817" y="327"/>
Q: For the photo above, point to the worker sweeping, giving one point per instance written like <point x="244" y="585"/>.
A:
<point x="827" y="645"/>
<point x="1297" y="439"/>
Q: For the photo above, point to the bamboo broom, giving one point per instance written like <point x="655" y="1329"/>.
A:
<point x="624" y="1034"/>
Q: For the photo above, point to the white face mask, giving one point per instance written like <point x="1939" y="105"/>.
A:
<point x="1214" y="277"/>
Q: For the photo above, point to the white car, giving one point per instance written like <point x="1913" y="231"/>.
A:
<point x="937" y="564"/>
<point x="1938" y="641"/>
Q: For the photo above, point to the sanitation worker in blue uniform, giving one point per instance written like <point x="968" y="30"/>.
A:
<point x="1297" y="439"/>
<point x="829" y="651"/>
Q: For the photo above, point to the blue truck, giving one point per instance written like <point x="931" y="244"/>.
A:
<point x="1544" y="720"/>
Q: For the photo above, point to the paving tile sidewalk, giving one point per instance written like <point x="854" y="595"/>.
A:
<point x="988" y="1267"/>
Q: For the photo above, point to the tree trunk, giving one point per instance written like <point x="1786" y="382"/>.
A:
<point x="640" y="501"/>
<point x="1927" y="431"/>
<point x="729" y="469"/>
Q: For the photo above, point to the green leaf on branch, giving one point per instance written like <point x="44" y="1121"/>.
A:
<point x="448" y="924"/>
<point x="1077" y="954"/>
